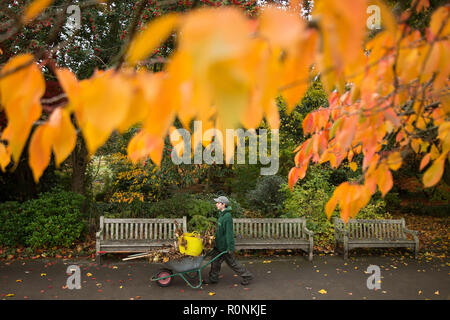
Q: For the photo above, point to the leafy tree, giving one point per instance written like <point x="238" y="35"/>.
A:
<point x="387" y="92"/>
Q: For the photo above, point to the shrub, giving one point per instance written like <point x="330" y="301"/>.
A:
<point x="13" y="221"/>
<point x="267" y="197"/>
<point x="56" y="219"/>
<point x="243" y="180"/>
<point x="309" y="197"/>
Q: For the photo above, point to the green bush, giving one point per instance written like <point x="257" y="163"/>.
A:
<point x="53" y="219"/>
<point x="309" y="197"/>
<point x="201" y="223"/>
<point x="267" y="197"/>
<point x="13" y="221"/>
<point x="57" y="219"/>
<point x="244" y="179"/>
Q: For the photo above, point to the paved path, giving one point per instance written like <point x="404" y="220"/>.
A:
<point x="285" y="278"/>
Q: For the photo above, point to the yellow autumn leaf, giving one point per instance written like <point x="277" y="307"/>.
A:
<point x="20" y="94"/>
<point x="40" y="150"/>
<point x="322" y="291"/>
<point x="394" y="161"/>
<point x="424" y="162"/>
<point x="434" y="172"/>
<point x="146" y="89"/>
<point x="211" y="293"/>
<point x="143" y="145"/>
<point x="5" y="156"/>
<point x="64" y="134"/>
<point x="70" y="85"/>
<point x="384" y="179"/>
<point x="106" y="99"/>
<point x="280" y="27"/>
<point x="296" y="69"/>
<point x="149" y="39"/>
<point x="34" y="9"/>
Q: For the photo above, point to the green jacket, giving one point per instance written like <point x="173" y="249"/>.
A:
<point x="224" y="231"/>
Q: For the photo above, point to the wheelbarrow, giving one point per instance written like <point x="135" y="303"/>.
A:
<point x="188" y="268"/>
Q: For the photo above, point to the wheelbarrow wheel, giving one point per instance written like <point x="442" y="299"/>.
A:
<point x="164" y="273"/>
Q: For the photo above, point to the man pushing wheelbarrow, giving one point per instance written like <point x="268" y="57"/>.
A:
<point x="190" y="266"/>
<point x="224" y="241"/>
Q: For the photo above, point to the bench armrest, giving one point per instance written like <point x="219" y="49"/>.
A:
<point x="340" y="230"/>
<point x="99" y="234"/>
<point x="307" y="231"/>
<point x="413" y="233"/>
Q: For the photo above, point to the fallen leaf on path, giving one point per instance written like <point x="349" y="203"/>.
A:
<point x="211" y="293"/>
<point x="89" y="274"/>
<point x="437" y="293"/>
<point x="19" y="280"/>
<point x="10" y="294"/>
<point x="43" y="274"/>
<point x="322" y="291"/>
<point x="267" y="261"/>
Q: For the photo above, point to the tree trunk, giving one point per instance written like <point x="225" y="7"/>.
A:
<point x="79" y="165"/>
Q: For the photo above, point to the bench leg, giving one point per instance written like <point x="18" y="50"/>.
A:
<point x="345" y="252"/>
<point x="310" y="256"/>
<point x="98" y="258"/>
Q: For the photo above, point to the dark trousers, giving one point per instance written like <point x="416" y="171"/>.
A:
<point x="231" y="262"/>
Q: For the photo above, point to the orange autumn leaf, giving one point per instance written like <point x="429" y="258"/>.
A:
<point x="154" y="34"/>
<point x="425" y="160"/>
<point x="394" y="161"/>
<point x="71" y="87"/>
<point x="34" y="9"/>
<point x="295" y="174"/>
<point x="5" y="156"/>
<point x="280" y="27"/>
<point x="20" y="94"/>
<point x="434" y="172"/>
<point x="106" y="98"/>
<point x="64" y="134"/>
<point x="57" y="134"/>
<point x="384" y="179"/>
<point x="143" y="145"/>
<point x="40" y="150"/>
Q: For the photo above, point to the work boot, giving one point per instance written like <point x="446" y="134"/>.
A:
<point x="246" y="281"/>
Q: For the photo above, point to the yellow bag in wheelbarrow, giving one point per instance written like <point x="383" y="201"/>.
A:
<point x="190" y="244"/>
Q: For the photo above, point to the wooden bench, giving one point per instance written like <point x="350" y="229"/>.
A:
<point x="135" y="235"/>
<point x="278" y="233"/>
<point x="373" y="234"/>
